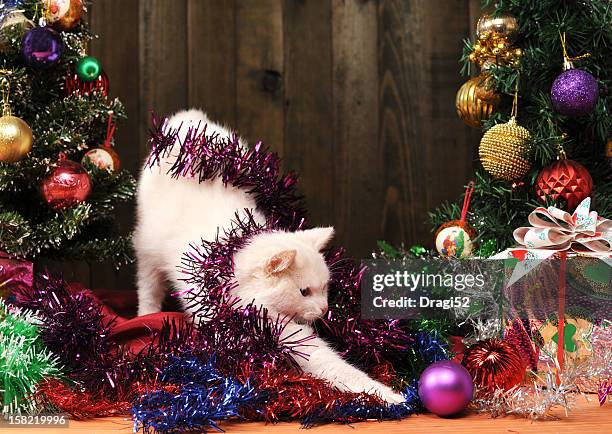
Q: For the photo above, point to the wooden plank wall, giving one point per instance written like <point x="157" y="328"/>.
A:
<point x="356" y="95"/>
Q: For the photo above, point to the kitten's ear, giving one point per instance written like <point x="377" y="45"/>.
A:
<point x="319" y="237"/>
<point x="280" y="262"/>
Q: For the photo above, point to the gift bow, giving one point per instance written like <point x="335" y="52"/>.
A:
<point x="582" y="232"/>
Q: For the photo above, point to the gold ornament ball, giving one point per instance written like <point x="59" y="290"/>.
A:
<point x="15" y="139"/>
<point x="504" y="151"/>
<point x="472" y="109"/>
<point x="503" y="25"/>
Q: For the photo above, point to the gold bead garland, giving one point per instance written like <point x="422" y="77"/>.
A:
<point x="504" y="151"/>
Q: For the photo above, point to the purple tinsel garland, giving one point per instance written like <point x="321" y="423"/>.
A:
<point x="255" y="170"/>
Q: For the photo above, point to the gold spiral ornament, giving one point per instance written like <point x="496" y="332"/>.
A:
<point x="471" y="108"/>
<point x="504" y="151"/>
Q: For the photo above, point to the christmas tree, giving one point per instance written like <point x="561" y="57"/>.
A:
<point x="549" y="64"/>
<point x="59" y="176"/>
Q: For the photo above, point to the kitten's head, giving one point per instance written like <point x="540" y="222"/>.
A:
<point x="285" y="272"/>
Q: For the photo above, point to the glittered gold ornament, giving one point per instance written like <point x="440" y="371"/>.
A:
<point x="609" y="152"/>
<point x="15" y="135"/>
<point x="502" y="25"/>
<point x="504" y="151"/>
<point x="15" y="139"/>
<point x="471" y="108"/>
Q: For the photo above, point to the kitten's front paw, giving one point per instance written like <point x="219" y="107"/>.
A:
<point x="389" y="395"/>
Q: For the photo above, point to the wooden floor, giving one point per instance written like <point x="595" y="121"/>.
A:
<point x="586" y="418"/>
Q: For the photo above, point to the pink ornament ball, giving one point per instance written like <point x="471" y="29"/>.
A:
<point x="445" y="388"/>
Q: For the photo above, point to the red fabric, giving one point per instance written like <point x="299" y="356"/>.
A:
<point x="135" y="333"/>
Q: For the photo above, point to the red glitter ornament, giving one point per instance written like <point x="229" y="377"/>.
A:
<point x="74" y="85"/>
<point x="564" y="179"/>
<point x="494" y="364"/>
<point x="67" y="185"/>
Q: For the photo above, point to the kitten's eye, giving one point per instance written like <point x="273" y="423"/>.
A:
<point x="305" y="291"/>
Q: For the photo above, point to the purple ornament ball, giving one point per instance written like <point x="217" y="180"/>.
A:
<point x="574" y="93"/>
<point x="42" y="47"/>
<point x="445" y="388"/>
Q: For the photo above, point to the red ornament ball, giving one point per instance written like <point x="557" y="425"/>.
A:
<point x="564" y="179"/>
<point x="74" y="85"/>
<point x="104" y="158"/>
<point x="494" y="364"/>
<point x="67" y="185"/>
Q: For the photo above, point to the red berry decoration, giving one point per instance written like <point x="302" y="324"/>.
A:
<point x="67" y="185"/>
<point x="494" y="364"/>
<point x="564" y="179"/>
<point x="74" y="85"/>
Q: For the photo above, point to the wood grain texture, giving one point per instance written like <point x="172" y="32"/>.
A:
<point x="211" y="54"/>
<point x="587" y="417"/>
<point x="427" y="155"/>
<point x="356" y="95"/>
<point x="259" y="72"/>
<point x="357" y="159"/>
<point x="308" y="104"/>
<point x="163" y="59"/>
<point x="118" y="49"/>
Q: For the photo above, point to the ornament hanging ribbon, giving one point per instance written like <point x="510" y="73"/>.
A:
<point x="553" y="229"/>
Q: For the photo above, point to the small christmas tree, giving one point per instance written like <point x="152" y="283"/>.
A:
<point x="550" y="64"/>
<point x="59" y="176"/>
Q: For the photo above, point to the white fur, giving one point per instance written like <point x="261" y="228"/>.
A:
<point x="271" y="269"/>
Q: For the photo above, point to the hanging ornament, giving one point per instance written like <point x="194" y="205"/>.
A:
<point x="67" y="185"/>
<point x="504" y="148"/>
<point x="494" y="44"/>
<point x="63" y="14"/>
<point x="494" y="364"/>
<point x="471" y="107"/>
<point x="502" y="25"/>
<point x="609" y="152"/>
<point x="104" y="157"/>
<point x="445" y="388"/>
<point x="42" y="47"/>
<point x="88" y="69"/>
<point x="454" y="238"/>
<point x="574" y="92"/>
<point x="74" y="85"/>
<point x="564" y="179"/>
<point x="15" y="135"/>
<point x="9" y="23"/>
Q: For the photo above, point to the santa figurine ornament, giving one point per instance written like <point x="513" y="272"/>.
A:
<point x="104" y="157"/>
<point x="454" y="238"/>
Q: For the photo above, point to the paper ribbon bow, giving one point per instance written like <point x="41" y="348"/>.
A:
<point x="582" y="232"/>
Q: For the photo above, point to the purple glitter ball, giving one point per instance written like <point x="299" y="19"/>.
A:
<point x="445" y="388"/>
<point x="42" y="47"/>
<point x="574" y="93"/>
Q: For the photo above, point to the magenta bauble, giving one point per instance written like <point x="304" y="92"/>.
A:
<point x="445" y="388"/>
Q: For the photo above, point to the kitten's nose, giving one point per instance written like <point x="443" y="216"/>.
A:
<point x="324" y="310"/>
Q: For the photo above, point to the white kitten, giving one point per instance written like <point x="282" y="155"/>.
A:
<point x="282" y="271"/>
